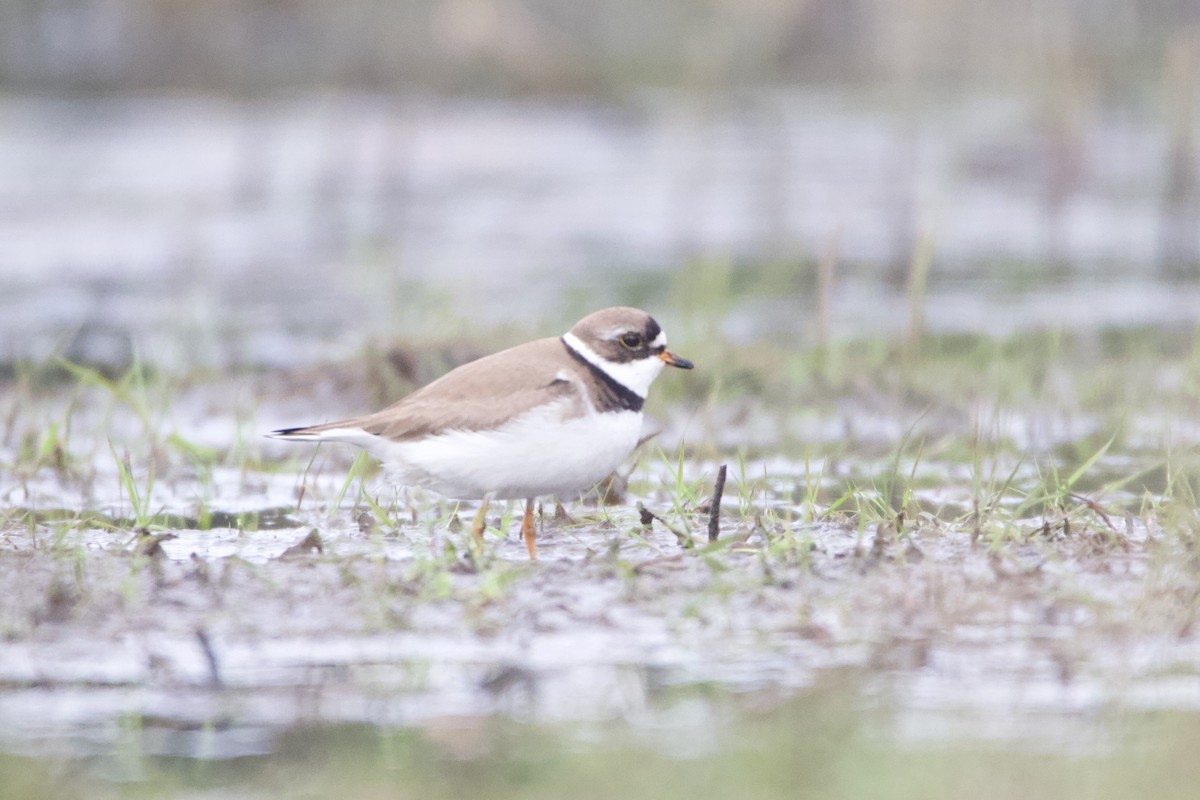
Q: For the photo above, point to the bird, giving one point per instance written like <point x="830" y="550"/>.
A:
<point x="553" y="416"/>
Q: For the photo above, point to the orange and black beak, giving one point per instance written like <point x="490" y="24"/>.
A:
<point x="675" y="361"/>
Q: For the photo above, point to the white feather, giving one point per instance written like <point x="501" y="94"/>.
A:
<point x="537" y="453"/>
<point x="633" y="375"/>
<point x="356" y="436"/>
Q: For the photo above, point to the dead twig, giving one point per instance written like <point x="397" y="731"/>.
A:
<point x="210" y="655"/>
<point x="648" y="517"/>
<point x="1095" y="507"/>
<point x="714" y="511"/>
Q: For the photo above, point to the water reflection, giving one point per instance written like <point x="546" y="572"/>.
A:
<point x="216" y="232"/>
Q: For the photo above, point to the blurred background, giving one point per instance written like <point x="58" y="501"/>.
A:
<point x="951" y="234"/>
<point x="258" y="182"/>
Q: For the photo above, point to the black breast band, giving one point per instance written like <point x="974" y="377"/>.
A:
<point x="613" y="395"/>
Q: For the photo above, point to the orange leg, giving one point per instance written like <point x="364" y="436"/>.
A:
<point x="529" y="530"/>
<point x="479" y="525"/>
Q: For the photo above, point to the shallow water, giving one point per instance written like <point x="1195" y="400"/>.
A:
<point x="281" y="236"/>
<point x="195" y="231"/>
<point x="225" y="638"/>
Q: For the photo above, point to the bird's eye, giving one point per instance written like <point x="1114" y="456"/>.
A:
<point x="631" y="340"/>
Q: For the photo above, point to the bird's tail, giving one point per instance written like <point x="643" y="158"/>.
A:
<point x="344" y="431"/>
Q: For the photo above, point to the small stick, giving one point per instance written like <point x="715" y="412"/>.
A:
<point x="648" y="517"/>
<point x="210" y="655"/>
<point x="714" y="507"/>
<point x="1094" y="506"/>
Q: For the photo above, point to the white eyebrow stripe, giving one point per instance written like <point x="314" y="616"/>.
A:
<point x="589" y="355"/>
<point x="660" y="340"/>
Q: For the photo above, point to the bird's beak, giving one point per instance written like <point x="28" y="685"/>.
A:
<point x="675" y="361"/>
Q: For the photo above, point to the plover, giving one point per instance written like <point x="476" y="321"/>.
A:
<point x="550" y="417"/>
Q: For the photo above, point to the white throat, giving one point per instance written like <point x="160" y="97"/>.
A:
<point x="636" y="376"/>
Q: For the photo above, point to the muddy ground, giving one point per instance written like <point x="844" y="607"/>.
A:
<point x="1009" y="576"/>
<point x="955" y="395"/>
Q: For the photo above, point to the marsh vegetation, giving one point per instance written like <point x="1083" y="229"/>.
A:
<point x="941" y="534"/>
<point x="936" y="264"/>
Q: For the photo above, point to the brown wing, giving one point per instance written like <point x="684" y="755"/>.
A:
<point x="481" y="394"/>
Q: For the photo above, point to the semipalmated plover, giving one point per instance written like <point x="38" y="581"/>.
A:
<point x="550" y="417"/>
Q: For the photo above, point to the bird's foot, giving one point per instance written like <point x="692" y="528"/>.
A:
<point x="529" y="531"/>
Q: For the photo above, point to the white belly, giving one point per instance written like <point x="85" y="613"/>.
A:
<point x="536" y="454"/>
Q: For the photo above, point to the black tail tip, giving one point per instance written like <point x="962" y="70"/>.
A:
<point x="287" y="431"/>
